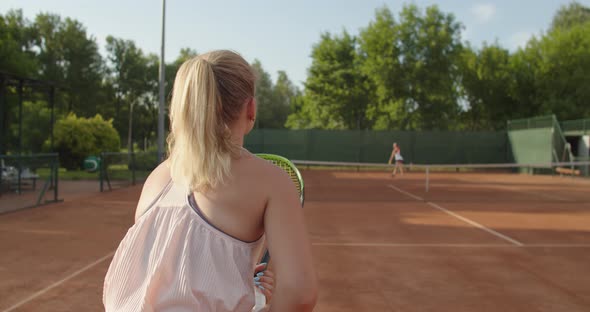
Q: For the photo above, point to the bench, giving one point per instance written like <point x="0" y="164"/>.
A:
<point x="562" y="170"/>
<point x="10" y="177"/>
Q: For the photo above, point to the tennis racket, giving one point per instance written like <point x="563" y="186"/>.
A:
<point x="295" y="176"/>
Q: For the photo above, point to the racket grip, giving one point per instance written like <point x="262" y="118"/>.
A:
<point x="265" y="258"/>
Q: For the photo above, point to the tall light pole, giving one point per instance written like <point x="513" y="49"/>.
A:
<point x="162" y="89"/>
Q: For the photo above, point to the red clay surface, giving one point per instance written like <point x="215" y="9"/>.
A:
<point x="474" y="242"/>
<point x="11" y="201"/>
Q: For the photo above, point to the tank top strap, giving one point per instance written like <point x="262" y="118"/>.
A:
<point x="175" y="195"/>
<point x="160" y="196"/>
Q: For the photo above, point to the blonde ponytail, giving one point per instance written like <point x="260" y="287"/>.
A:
<point x="209" y="93"/>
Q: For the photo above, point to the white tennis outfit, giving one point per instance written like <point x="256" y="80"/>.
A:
<point x="173" y="259"/>
<point x="398" y="157"/>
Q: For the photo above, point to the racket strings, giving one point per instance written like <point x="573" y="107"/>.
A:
<point x="289" y="169"/>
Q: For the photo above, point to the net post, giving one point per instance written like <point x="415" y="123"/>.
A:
<point x="100" y="173"/>
<point x="56" y="176"/>
<point x="52" y="120"/>
<point x="3" y="104"/>
<point x="133" y="168"/>
<point x="20" y="119"/>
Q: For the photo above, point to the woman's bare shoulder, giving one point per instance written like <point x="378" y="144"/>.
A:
<point x="153" y="185"/>
<point x="270" y="172"/>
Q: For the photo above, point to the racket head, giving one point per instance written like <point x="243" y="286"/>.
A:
<point x="290" y="169"/>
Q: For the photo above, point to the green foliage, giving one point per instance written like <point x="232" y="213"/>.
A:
<point x="395" y="75"/>
<point x="68" y="55"/>
<point x="524" y="89"/>
<point x="283" y="93"/>
<point x="335" y="91"/>
<point x="413" y="65"/>
<point x="486" y="79"/>
<point x="144" y="161"/>
<point x="414" y="72"/>
<point x="408" y="71"/>
<point x="570" y="15"/>
<point x="382" y="64"/>
<point x="273" y="99"/>
<point x="131" y="81"/>
<point x="300" y="114"/>
<point x="78" y="137"/>
<point x="184" y="55"/>
<point x="563" y="72"/>
<point x="16" y="41"/>
<point x="36" y="125"/>
<point x="264" y="116"/>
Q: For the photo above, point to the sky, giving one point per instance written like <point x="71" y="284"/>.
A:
<point x="280" y="33"/>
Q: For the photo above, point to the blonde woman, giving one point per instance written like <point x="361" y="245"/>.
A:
<point x="396" y="154"/>
<point x="204" y="212"/>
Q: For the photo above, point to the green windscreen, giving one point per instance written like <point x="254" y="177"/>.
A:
<point x="420" y="147"/>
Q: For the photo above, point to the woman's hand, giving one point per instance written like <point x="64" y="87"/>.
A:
<point x="264" y="280"/>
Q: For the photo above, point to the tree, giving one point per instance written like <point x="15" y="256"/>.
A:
<point x="299" y="117"/>
<point x="78" y="137"/>
<point x="335" y="95"/>
<point x="264" y="97"/>
<point x="486" y="80"/>
<point x="129" y="76"/>
<point x="36" y="122"/>
<point x="16" y="44"/>
<point x="569" y="16"/>
<point x="562" y="70"/>
<point x="70" y="57"/>
<point x="413" y="65"/>
<point x="524" y="90"/>
<point x="171" y="69"/>
<point x="381" y="63"/>
<point x="83" y="68"/>
<point x="283" y="93"/>
<point x="184" y="55"/>
<point x="16" y="57"/>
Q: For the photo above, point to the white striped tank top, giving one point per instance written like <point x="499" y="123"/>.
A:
<point x="173" y="259"/>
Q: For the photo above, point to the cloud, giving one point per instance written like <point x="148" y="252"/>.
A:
<point x="484" y="12"/>
<point x="519" y="39"/>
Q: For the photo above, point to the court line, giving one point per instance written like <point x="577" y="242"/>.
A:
<point x="473" y="223"/>
<point x="546" y="196"/>
<point x="443" y="245"/>
<point x="557" y="245"/>
<point x="42" y="232"/>
<point x="118" y="202"/>
<point x="406" y="193"/>
<point x="56" y="284"/>
<point x="451" y="245"/>
<point x="500" y="235"/>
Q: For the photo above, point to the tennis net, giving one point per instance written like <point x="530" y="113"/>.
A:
<point x="28" y="180"/>
<point x="558" y="181"/>
<point x="120" y="169"/>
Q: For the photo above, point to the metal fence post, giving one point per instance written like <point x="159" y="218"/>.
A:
<point x="56" y="176"/>
<point x="133" y="168"/>
<point x="100" y="173"/>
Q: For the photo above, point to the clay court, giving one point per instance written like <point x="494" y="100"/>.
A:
<point x="474" y="242"/>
